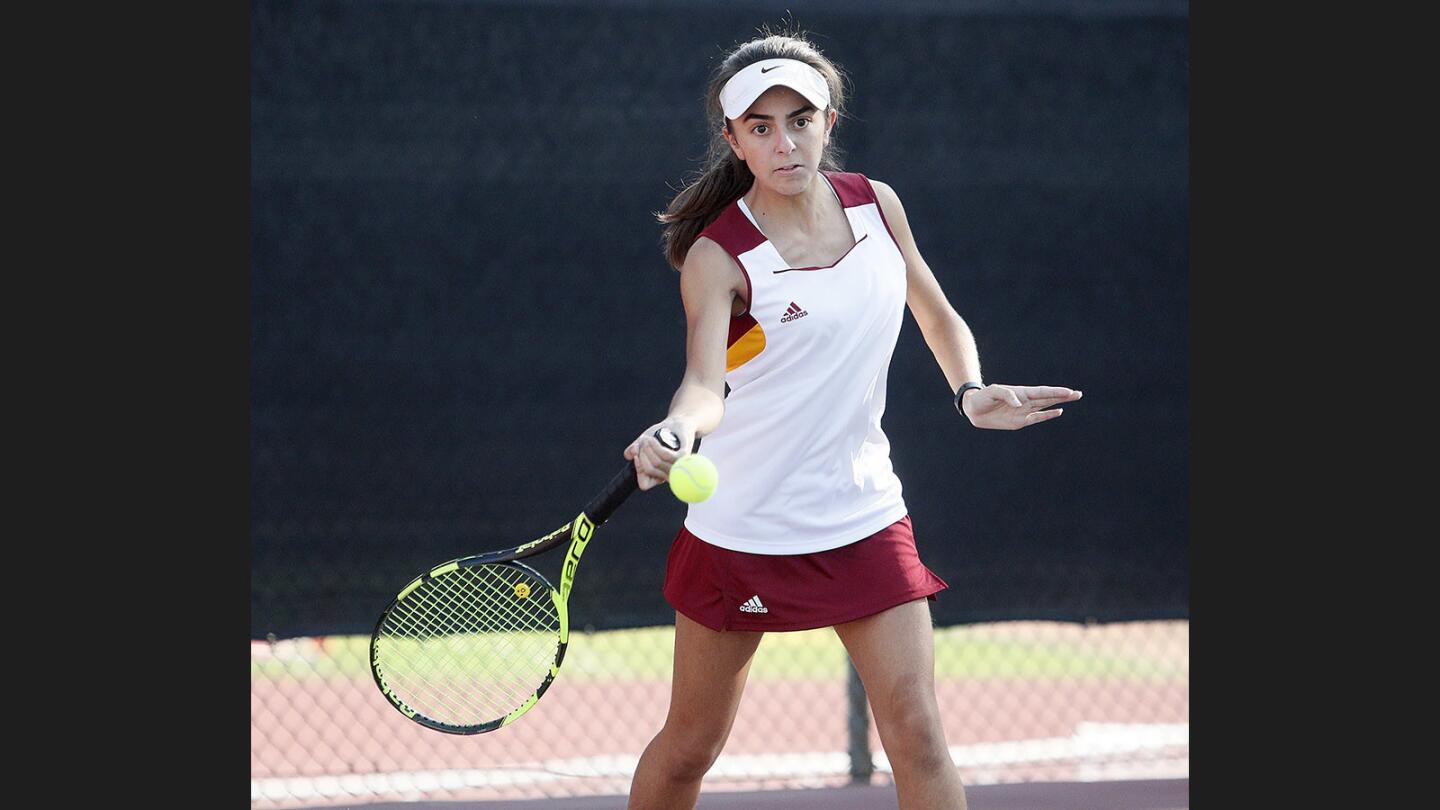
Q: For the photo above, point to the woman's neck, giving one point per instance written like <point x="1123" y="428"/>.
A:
<point x="807" y="211"/>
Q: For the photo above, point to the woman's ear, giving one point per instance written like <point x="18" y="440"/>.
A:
<point x="734" y="144"/>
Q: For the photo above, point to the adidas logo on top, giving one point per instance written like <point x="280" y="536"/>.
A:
<point x="793" y="312"/>
<point x="752" y="605"/>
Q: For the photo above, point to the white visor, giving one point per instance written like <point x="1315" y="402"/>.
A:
<point x="744" y="87"/>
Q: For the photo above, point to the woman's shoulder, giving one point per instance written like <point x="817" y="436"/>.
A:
<point x="885" y="195"/>
<point x="732" y="230"/>
<point x="705" y="251"/>
<point x="856" y="188"/>
<point x="709" y="268"/>
<point x="710" y="259"/>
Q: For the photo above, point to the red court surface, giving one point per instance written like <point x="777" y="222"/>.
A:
<point x="1034" y="729"/>
<point x="1154" y="794"/>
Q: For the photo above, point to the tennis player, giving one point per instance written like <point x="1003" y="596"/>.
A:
<point x="795" y="277"/>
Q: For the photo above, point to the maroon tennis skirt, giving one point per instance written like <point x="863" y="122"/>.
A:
<point x="736" y="590"/>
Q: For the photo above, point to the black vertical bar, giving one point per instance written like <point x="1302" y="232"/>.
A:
<point x="861" y="765"/>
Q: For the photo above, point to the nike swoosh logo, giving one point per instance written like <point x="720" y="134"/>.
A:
<point x="767" y="70"/>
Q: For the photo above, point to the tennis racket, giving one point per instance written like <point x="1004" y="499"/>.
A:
<point x="470" y="645"/>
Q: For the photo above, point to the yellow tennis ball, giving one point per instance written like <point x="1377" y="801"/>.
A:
<point x="693" y="478"/>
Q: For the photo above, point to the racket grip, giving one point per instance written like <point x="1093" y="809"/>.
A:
<point x="624" y="484"/>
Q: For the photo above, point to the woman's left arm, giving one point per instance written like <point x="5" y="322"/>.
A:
<point x="995" y="406"/>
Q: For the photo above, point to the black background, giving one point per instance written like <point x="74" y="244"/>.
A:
<point x="460" y="313"/>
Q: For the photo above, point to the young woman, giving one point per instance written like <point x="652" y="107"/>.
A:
<point x="794" y="278"/>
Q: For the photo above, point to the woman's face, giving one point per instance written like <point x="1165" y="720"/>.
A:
<point x="781" y="138"/>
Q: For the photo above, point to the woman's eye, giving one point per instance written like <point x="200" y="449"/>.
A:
<point x="760" y="129"/>
<point x="802" y="122"/>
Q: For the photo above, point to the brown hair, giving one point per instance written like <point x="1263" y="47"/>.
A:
<point x="725" y="176"/>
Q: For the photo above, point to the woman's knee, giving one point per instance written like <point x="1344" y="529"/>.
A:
<point x="689" y="751"/>
<point x="911" y="729"/>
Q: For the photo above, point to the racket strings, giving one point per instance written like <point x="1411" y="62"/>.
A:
<point x="446" y="606"/>
<point x="467" y="648"/>
<point x="490" y="666"/>
<point x="442" y="664"/>
<point x="460" y="663"/>
<point x="468" y="619"/>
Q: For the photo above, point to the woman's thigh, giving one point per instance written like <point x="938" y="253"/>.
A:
<point x="709" y="677"/>
<point x="894" y="653"/>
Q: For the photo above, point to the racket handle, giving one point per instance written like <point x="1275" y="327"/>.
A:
<point x="624" y="484"/>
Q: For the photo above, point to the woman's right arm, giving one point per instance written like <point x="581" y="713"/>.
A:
<point x="708" y="281"/>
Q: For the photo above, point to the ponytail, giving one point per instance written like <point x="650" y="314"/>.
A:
<point x="700" y="203"/>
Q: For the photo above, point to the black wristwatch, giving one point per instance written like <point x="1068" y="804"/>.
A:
<point x="960" y="395"/>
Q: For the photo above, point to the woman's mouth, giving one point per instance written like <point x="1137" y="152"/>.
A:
<point x="791" y="169"/>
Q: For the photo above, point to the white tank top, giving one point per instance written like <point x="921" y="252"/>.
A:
<point x="804" y="465"/>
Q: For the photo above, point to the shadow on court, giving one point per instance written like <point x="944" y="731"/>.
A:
<point x="1153" y="794"/>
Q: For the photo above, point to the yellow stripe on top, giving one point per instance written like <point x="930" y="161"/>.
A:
<point x="744" y="347"/>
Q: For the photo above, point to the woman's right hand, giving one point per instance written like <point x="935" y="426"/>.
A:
<point x="653" y="459"/>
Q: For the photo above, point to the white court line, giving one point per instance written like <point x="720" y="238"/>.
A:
<point x="1090" y="742"/>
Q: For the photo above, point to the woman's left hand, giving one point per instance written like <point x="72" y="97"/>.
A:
<point x="1011" y="407"/>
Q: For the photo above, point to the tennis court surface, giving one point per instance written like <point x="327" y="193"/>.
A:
<point x="1038" y="715"/>
<point x="1152" y="794"/>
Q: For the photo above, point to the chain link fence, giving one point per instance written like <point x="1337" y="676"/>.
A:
<point x="1022" y="701"/>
